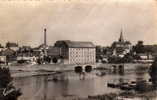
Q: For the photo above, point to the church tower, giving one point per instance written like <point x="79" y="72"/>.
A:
<point x="121" y="39"/>
<point x="45" y="37"/>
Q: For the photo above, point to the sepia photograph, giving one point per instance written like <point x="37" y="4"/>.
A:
<point x="78" y="49"/>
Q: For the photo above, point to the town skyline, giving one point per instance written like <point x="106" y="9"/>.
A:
<point x="23" y="22"/>
<point x="78" y="49"/>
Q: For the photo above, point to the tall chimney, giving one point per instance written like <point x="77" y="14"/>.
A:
<point x="45" y="41"/>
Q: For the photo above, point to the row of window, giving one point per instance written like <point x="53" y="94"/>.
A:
<point x="83" y="53"/>
<point x="82" y="50"/>
<point x="82" y="61"/>
<point x="82" y="56"/>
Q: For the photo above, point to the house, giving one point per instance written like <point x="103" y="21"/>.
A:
<point x="1" y="48"/>
<point x="53" y="51"/>
<point x="37" y="52"/>
<point x="121" y="47"/>
<point x="13" y="46"/>
<point x="145" y="56"/>
<point x="9" y="54"/>
<point x="75" y="52"/>
<point x="2" y="59"/>
<point x="25" y="51"/>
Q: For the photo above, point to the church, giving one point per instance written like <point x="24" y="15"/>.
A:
<point x="121" y="47"/>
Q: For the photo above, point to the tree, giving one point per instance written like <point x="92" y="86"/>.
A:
<point x="153" y="72"/>
<point x="139" y="47"/>
<point x="6" y="86"/>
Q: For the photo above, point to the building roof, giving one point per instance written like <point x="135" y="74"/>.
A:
<point x="124" y="43"/>
<point x="78" y="44"/>
<point x="10" y="44"/>
<point x="7" y="52"/>
<point x="42" y="46"/>
<point x="53" y="51"/>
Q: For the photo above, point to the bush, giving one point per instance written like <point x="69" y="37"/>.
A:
<point x="5" y="77"/>
<point x="6" y="85"/>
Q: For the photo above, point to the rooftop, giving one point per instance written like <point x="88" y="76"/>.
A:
<point x="78" y="44"/>
<point x="10" y="44"/>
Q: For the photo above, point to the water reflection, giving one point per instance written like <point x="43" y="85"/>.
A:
<point x="45" y="88"/>
<point x="39" y="88"/>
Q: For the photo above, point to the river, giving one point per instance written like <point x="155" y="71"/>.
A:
<point x="41" y="88"/>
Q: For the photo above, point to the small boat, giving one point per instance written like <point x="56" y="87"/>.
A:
<point x="112" y="85"/>
<point x="101" y="74"/>
<point x="126" y="87"/>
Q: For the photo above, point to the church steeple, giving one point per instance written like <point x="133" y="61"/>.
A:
<point x="121" y="39"/>
<point x="45" y="40"/>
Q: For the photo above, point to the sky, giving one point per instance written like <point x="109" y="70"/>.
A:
<point x="99" y="21"/>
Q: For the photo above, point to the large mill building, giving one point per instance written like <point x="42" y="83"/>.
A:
<point x="75" y="52"/>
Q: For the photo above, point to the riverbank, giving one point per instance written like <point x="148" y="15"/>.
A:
<point x="48" y="69"/>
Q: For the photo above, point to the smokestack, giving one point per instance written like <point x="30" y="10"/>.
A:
<point x="45" y="41"/>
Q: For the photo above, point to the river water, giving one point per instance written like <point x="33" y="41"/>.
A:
<point x="43" y="88"/>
